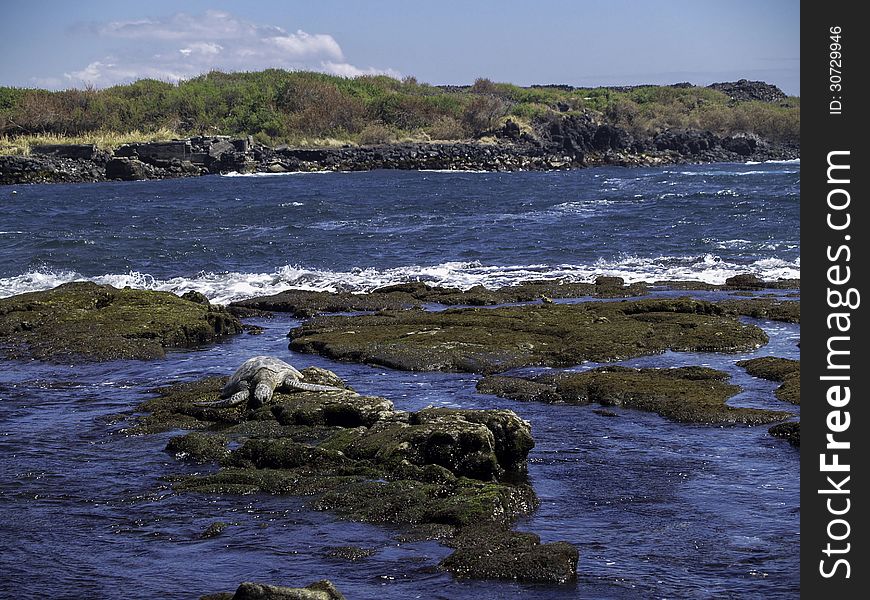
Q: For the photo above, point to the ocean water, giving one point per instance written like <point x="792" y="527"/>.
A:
<point x="236" y="237"/>
<point x="657" y="509"/>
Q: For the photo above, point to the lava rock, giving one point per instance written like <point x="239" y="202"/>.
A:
<point x="87" y="322"/>
<point x="126" y="169"/>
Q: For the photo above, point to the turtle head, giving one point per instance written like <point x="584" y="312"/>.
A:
<point x="262" y="394"/>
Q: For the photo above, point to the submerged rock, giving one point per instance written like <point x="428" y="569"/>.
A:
<point x="685" y="394"/>
<point x="790" y="432"/>
<point x="88" y="322"/>
<point x="498" y="339"/>
<point x="493" y="552"/>
<point x="437" y="470"/>
<point x="213" y="530"/>
<point x="777" y="369"/>
<point x="320" y="590"/>
<point x="349" y="552"/>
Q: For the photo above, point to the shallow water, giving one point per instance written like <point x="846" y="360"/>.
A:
<point x="658" y="509"/>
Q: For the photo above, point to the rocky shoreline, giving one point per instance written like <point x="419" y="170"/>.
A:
<point x="458" y="476"/>
<point x="567" y="143"/>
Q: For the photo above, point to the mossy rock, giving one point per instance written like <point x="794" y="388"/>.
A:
<point x="86" y="322"/>
<point x="320" y="590"/>
<point x="498" y="339"/>
<point x="437" y="470"/>
<point x="198" y="447"/>
<point x="306" y="303"/>
<point x="773" y="309"/>
<point x="685" y="395"/>
<point x="777" y="369"/>
<point x="493" y="552"/>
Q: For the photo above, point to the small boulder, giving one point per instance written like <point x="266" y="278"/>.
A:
<point x="126" y="169"/>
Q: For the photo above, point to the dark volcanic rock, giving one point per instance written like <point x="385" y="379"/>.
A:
<point x="89" y="322"/>
<point x="686" y="394"/>
<point x="744" y="145"/>
<point x="127" y="169"/>
<point x="440" y="471"/>
<point x="48" y="169"/>
<point x="349" y="552"/>
<point x="498" y="339"/>
<point x="494" y="552"/>
<point x="305" y="303"/>
<point x="745" y="281"/>
<point x="788" y="311"/>
<point x="790" y="432"/>
<point x="320" y="590"/>
<point x="745" y="90"/>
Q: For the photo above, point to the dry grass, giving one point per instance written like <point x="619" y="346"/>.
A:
<point x="105" y="140"/>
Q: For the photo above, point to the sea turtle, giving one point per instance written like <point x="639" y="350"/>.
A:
<point x="263" y="375"/>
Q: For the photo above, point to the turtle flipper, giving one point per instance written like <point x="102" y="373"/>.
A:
<point x="310" y="387"/>
<point x="237" y="398"/>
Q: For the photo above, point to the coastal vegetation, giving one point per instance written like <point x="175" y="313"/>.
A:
<point x="306" y="108"/>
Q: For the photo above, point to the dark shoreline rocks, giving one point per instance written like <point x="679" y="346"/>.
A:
<point x="565" y="142"/>
<point x="450" y="474"/>
<point x="86" y="322"/>
<point x="684" y="394"/>
<point x="498" y="339"/>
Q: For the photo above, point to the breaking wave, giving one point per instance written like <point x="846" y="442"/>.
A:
<point x="229" y="286"/>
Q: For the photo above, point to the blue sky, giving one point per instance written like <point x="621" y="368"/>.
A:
<point x="60" y="44"/>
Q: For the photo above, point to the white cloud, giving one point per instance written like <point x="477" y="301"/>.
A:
<point x="182" y="46"/>
<point x="348" y="70"/>
<point x="204" y="48"/>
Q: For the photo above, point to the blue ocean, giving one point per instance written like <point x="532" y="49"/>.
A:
<point x="657" y="509"/>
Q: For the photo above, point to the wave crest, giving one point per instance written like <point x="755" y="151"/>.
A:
<point x="229" y="286"/>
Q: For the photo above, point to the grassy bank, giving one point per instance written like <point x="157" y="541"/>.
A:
<point x="306" y="108"/>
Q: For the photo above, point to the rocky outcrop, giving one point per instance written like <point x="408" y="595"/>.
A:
<point x="319" y="590"/>
<point x="685" y="394"/>
<point x="777" y="369"/>
<point x="84" y="321"/>
<point x="49" y="169"/>
<point x="128" y="169"/>
<point x="451" y="474"/>
<point x="497" y="339"/>
<point x="745" y="90"/>
<point x="305" y="303"/>
<point x="790" y="432"/>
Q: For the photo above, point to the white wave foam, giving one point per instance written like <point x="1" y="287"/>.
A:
<point x="451" y="171"/>
<point x="791" y="161"/>
<point x="258" y="174"/>
<point x="229" y="286"/>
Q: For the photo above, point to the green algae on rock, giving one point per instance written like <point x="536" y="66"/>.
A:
<point x="493" y="552"/>
<point x="777" y="369"/>
<point x="445" y="471"/>
<point x="83" y="321"/>
<point x="498" y="339"/>
<point x="684" y="394"/>
<point x="774" y="309"/>
<point x="306" y="303"/>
